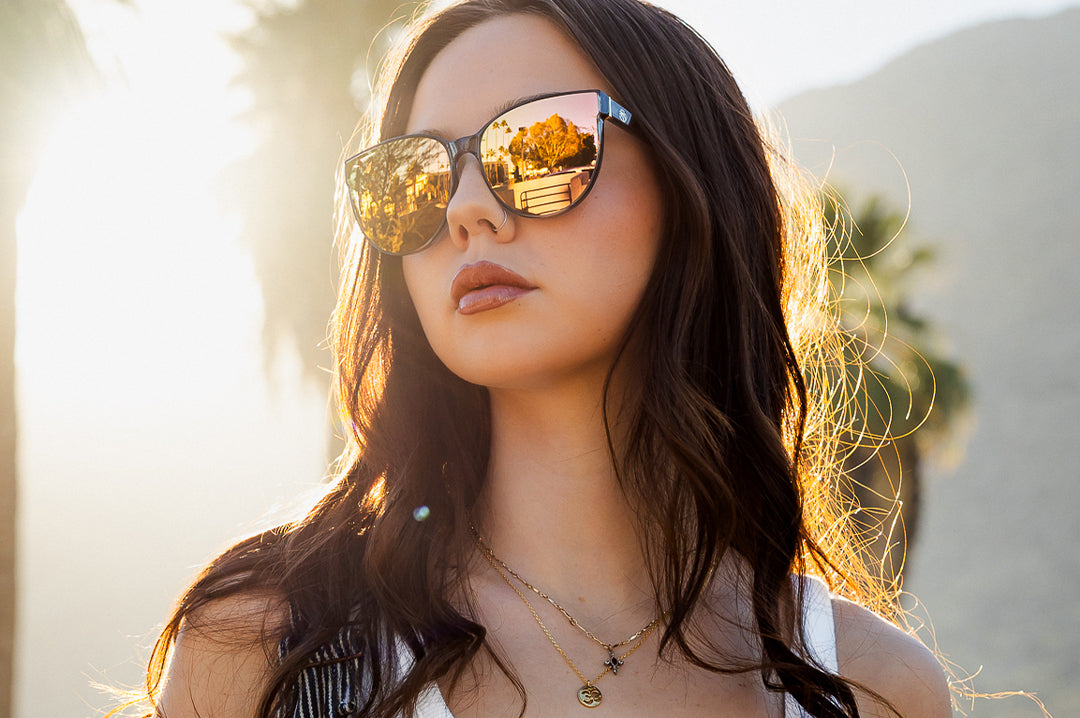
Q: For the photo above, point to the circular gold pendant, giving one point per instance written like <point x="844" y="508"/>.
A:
<point x="589" y="696"/>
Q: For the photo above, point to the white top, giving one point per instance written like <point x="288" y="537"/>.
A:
<point x="819" y="638"/>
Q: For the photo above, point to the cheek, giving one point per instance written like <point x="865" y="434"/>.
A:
<point x="429" y="290"/>
<point x="420" y="281"/>
<point x="630" y="215"/>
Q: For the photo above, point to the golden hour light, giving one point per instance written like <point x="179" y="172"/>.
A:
<point x="169" y="272"/>
<point x="144" y="407"/>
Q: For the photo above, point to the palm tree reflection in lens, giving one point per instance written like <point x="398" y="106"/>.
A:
<point x="401" y="189"/>
<point x="539" y="157"/>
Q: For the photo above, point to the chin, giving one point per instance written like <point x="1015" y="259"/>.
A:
<point x="536" y="370"/>
<point x="501" y="375"/>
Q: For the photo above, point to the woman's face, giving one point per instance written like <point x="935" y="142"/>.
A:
<point x="581" y="274"/>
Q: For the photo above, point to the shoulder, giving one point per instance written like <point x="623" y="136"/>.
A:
<point x="875" y="653"/>
<point x="223" y="657"/>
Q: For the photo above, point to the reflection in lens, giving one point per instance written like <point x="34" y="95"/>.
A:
<point x="540" y="157"/>
<point x="401" y="189"/>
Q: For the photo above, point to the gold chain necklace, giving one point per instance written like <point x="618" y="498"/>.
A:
<point x="588" y="695"/>
<point x="612" y="662"/>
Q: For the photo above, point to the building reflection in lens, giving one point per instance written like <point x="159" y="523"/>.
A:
<point x="539" y="157"/>
<point x="401" y="189"/>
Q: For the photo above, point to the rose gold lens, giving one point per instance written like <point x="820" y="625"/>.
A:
<point x="401" y="189"/>
<point x="540" y="157"/>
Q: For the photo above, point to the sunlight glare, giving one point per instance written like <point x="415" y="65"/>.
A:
<point x="126" y="259"/>
<point x="141" y="386"/>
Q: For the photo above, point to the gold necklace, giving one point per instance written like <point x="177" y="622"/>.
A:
<point x="613" y="662"/>
<point x="588" y="695"/>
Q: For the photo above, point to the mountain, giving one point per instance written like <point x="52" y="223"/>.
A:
<point x="985" y="126"/>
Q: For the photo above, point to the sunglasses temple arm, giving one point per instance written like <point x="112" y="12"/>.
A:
<point x="610" y="109"/>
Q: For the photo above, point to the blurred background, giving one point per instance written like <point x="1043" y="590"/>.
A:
<point x="166" y="179"/>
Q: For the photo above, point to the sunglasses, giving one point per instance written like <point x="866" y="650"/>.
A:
<point x="539" y="159"/>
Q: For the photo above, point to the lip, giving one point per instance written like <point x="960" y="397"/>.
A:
<point x="486" y="285"/>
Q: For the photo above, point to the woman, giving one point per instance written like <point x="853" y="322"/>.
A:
<point x="582" y="470"/>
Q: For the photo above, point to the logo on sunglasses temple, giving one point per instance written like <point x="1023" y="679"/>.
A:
<point x="539" y="158"/>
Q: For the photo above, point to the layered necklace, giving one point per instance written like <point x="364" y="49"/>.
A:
<point x="588" y="695"/>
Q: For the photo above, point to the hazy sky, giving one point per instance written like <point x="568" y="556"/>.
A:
<point x="777" y="48"/>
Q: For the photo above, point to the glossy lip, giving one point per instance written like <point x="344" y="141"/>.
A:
<point x="486" y="285"/>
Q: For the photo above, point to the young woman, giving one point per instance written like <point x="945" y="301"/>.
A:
<point x="585" y="472"/>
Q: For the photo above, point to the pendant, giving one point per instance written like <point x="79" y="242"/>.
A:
<point x="612" y="662"/>
<point x="589" y="696"/>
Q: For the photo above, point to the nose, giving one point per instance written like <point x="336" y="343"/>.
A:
<point x="473" y="210"/>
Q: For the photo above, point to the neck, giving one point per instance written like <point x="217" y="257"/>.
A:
<point x="552" y="508"/>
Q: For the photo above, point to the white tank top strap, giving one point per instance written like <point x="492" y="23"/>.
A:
<point x="819" y="634"/>
<point x="819" y="629"/>
<point x="430" y="703"/>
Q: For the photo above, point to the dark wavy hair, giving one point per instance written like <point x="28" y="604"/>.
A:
<point x="724" y="444"/>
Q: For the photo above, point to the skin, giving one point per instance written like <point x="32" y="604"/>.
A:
<point x="544" y="356"/>
<point x="552" y="508"/>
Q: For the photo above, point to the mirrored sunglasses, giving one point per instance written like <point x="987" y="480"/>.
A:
<point x="540" y="158"/>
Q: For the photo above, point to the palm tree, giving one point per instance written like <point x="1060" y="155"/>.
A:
<point x="43" y="60"/>
<point x="307" y="70"/>
<point x="906" y="383"/>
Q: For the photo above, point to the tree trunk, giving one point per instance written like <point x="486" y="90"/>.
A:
<point x="8" y="461"/>
<point x="43" y="62"/>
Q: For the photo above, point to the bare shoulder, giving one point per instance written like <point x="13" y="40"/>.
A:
<point x="223" y="657"/>
<point x="880" y="656"/>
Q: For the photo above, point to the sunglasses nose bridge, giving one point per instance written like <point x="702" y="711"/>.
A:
<point x="459" y="148"/>
<point x="464" y="146"/>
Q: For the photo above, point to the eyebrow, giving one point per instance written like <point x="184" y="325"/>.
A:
<point x="504" y="107"/>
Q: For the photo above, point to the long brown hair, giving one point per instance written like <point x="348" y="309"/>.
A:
<point x="727" y="449"/>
